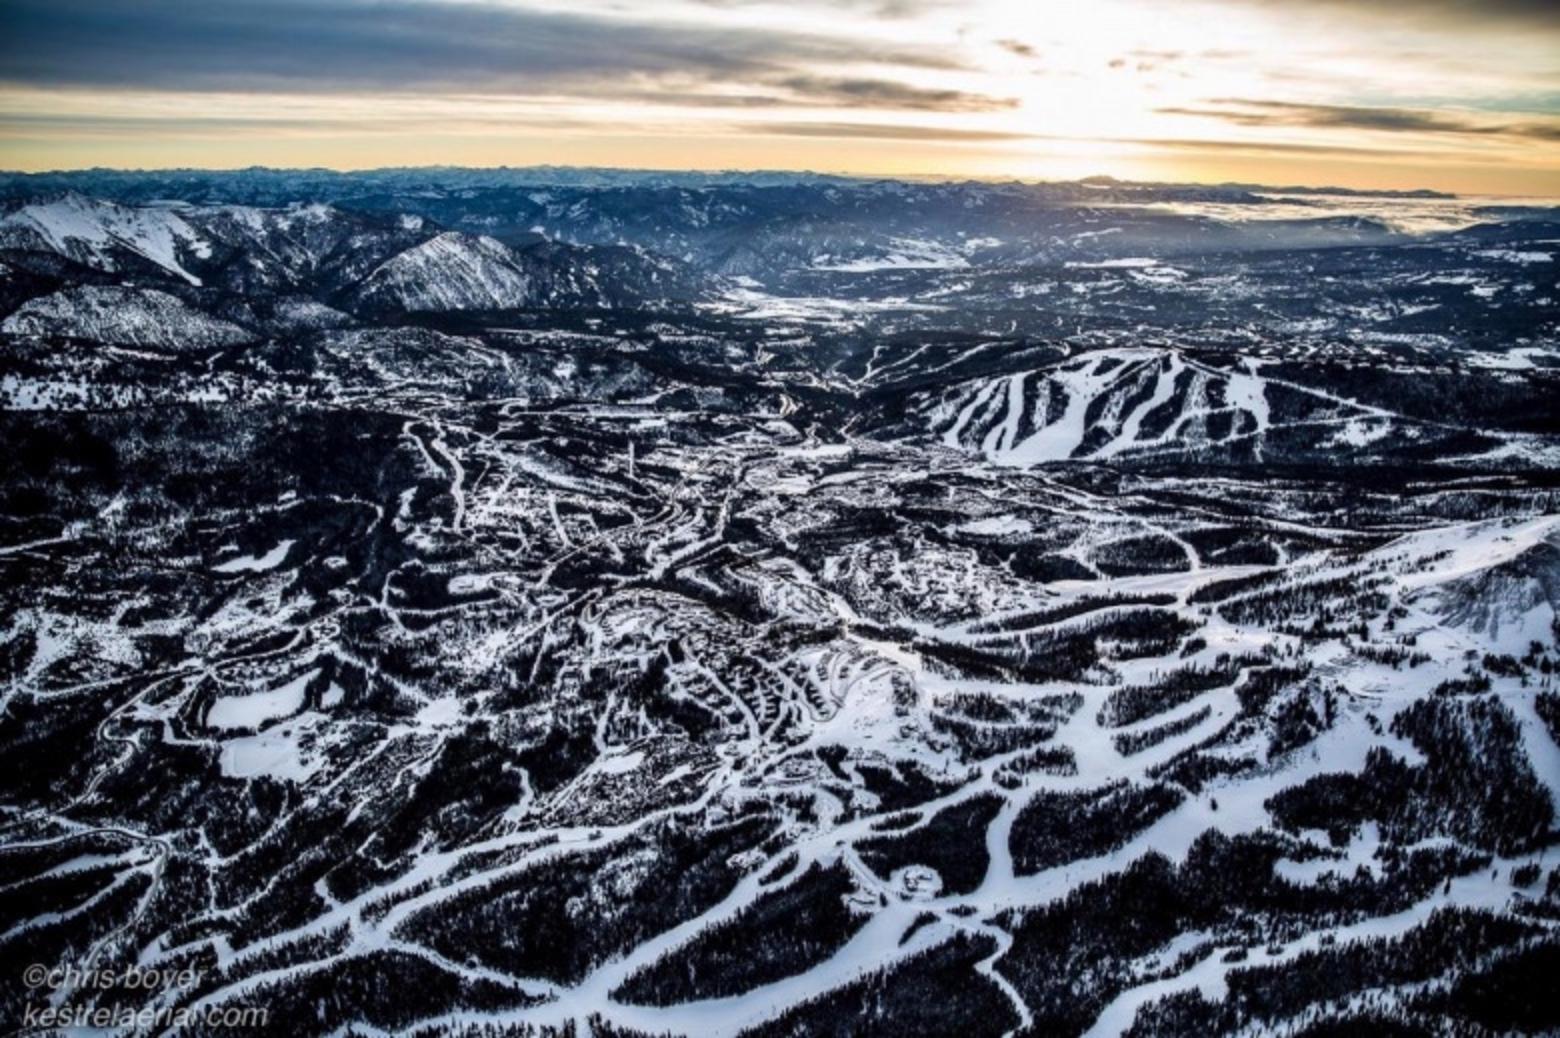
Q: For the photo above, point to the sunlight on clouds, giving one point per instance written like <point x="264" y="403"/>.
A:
<point x="1236" y="89"/>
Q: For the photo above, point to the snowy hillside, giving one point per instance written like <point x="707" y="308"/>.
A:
<point x="450" y="272"/>
<point x="123" y="316"/>
<point x="1115" y="403"/>
<point x="101" y="234"/>
<point x="1106" y="404"/>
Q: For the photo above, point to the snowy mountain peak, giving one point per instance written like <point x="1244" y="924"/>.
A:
<point x="450" y="271"/>
<point x="90" y="230"/>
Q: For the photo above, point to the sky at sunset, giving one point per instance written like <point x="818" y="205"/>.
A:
<point x="1460" y="96"/>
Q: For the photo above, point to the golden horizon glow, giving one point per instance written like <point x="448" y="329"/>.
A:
<point x="1235" y="90"/>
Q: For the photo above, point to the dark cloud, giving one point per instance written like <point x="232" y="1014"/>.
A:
<point x="1018" y="47"/>
<point x="1258" y="147"/>
<point x="325" y="46"/>
<point x="905" y="8"/>
<point x="1243" y="112"/>
<point x="881" y="131"/>
<point x="30" y="124"/>
<point x="14" y="124"/>
<point x="432" y="47"/>
<point x="1149" y="60"/>
<point x="689" y="99"/>
<point x="882" y="93"/>
<point x="892" y="9"/>
<point x="1460" y="14"/>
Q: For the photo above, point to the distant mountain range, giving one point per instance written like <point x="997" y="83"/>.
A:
<point x="238" y="184"/>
